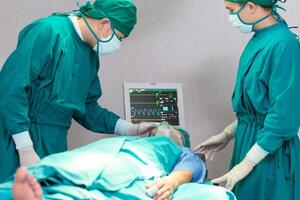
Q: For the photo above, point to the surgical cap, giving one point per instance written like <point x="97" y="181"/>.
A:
<point x="185" y="135"/>
<point x="121" y="13"/>
<point x="268" y="3"/>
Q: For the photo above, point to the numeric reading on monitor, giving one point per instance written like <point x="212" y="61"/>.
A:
<point x="154" y="105"/>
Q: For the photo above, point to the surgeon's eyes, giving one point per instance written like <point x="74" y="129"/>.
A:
<point x="232" y="12"/>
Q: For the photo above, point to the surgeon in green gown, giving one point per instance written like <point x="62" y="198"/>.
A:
<point x="52" y="77"/>
<point x="266" y="99"/>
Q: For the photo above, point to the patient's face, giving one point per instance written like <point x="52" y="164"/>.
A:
<point x="169" y="132"/>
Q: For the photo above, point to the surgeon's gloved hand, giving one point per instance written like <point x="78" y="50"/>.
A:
<point x="163" y="188"/>
<point x="125" y="128"/>
<point x="24" y="145"/>
<point x="241" y="170"/>
<point x="216" y="143"/>
<point x="141" y="128"/>
<point x="28" y="156"/>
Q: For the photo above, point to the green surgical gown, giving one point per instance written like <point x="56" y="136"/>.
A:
<point x="266" y="100"/>
<point x="50" y="78"/>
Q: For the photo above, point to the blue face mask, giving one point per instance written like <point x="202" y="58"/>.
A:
<point x="242" y="26"/>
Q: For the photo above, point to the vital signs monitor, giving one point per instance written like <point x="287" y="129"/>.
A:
<point x="154" y="102"/>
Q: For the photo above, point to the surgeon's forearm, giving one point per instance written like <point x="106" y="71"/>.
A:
<point x="180" y="177"/>
<point x="122" y="127"/>
<point x="22" y="140"/>
<point x="230" y="130"/>
<point x="256" y="154"/>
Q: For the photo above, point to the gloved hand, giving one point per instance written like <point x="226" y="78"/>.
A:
<point x="141" y="128"/>
<point x="28" y="156"/>
<point x="241" y="170"/>
<point x="216" y="143"/>
<point x="165" y="187"/>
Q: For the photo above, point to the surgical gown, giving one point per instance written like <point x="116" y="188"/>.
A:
<point x="49" y="79"/>
<point x="266" y="100"/>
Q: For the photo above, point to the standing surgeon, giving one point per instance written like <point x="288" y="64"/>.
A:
<point x="51" y="77"/>
<point x="266" y="99"/>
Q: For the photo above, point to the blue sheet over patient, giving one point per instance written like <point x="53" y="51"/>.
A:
<point x="114" y="168"/>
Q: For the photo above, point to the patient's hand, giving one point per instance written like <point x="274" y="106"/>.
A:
<point x="165" y="187"/>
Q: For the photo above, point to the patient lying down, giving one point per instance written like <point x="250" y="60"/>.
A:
<point x="155" y="164"/>
<point x="187" y="169"/>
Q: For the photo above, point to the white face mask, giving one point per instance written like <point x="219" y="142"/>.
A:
<point x="237" y="23"/>
<point x="108" y="45"/>
<point x="242" y="26"/>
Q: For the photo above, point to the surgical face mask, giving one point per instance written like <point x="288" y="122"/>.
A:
<point x="237" y="23"/>
<point x="244" y="27"/>
<point x="108" y="45"/>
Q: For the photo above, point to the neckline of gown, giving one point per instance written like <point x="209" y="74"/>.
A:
<point x="269" y="28"/>
<point x="76" y="36"/>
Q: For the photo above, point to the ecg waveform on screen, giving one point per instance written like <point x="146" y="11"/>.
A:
<point x="145" y="112"/>
<point x="154" y="105"/>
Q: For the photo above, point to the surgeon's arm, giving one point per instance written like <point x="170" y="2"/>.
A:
<point x="101" y="120"/>
<point x="96" y="118"/>
<point x="283" y="117"/>
<point x="20" y="71"/>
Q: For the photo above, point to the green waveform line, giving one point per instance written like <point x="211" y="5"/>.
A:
<point x="141" y="95"/>
<point x="145" y="103"/>
<point x="145" y="112"/>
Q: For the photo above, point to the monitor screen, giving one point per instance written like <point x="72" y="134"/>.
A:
<point x="153" y="103"/>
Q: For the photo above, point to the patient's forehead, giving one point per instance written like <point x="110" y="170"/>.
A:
<point x="174" y="130"/>
<point x="167" y="130"/>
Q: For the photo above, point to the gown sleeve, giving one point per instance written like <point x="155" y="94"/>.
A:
<point x="283" y="119"/>
<point x="97" y="118"/>
<point x="21" y="69"/>
<point x="189" y="161"/>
